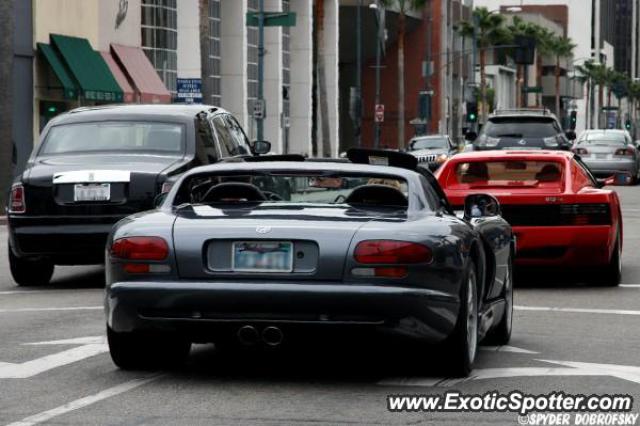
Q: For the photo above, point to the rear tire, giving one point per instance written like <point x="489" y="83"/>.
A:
<point x="462" y="345"/>
<point x="134" y="351"/>
<point x="501" y="334"/>
<point x="611" y="274"/>
<point x="30" y="273"/>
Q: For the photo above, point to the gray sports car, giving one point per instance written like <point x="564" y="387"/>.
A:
<point x="366" y="245"/>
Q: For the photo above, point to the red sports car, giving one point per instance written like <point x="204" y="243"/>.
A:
<point x="559" y="212"/>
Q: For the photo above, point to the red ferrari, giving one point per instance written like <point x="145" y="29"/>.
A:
<point x="559" y="212"/>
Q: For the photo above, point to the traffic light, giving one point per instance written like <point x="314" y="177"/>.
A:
<point x="472" y="112"/>
<point x="424" y="105"/>
<point x="627" y="124"/>
<point x="573" y="119"/>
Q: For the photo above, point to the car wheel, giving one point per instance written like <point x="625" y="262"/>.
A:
<point x="463" y="343"/>
<point x="612" y="273"/>
<point x="134" y="351"/>
<point x="30" y="273"/>
<point x="501" y="334"/>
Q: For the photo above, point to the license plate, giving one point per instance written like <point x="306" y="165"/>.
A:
<point x="92" y="192"/>
<point x="262" y="256"/>
<point x="602" y="156"/>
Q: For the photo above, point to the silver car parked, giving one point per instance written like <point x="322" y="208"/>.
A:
<point x="607" y="152"/>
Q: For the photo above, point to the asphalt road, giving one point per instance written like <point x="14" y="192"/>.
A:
<point x="55" y="369"/>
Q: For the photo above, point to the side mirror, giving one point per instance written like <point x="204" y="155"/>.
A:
<point x="481" y="205"/>
<point x="260" y="147"/>
<point x="571" y="135"/>
<point x="470" y="136"/>
<point x="159" y="199"/>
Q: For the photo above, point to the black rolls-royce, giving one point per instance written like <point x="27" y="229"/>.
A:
<point x="95" y="166"/>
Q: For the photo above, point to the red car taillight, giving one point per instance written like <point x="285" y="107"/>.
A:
<point x="140" y="248"/>
<point x="17" y="202"/>
<point x="383" y="252"/>
<point x="627" y="152"/>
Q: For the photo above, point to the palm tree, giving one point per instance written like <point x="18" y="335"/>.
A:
<point x="600" y="77"/>
<point x="6" y="112"/>
<point x="520" y="27"/>
<point x="403" y="6"/>
<point x="561" y="47"/>
<point x="490" y="31"/>
<point x="588" y="71"/>
<point x="205" y="48"/>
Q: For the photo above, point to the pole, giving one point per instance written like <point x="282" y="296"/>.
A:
<point x="359" y="73"/>
<point x="260" y="119"/>
<point x="474" y="59"/>
<point x="378" y="54"/>
<point x="429" y="67"/>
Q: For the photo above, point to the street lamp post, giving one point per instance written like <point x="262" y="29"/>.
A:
<point x="379" y="9"/>
<point x="359" y="74"/>
<point x="260" y="118"/>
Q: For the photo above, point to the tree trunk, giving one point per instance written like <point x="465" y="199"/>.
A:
<point x="205" y="46"/>
<point x="6" y="104"/>
<point x="483" y="85"/>
<point x="587" y="107"/>
<point x="401" y="120"/>
<point x="558" y="87"/>
<point x="519" y="86"/>
<point x="322" y="82"/>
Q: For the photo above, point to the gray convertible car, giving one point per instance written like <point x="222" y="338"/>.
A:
<point x="368" y="245"/>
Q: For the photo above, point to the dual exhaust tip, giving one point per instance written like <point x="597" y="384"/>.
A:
<point x="248" y="335"/>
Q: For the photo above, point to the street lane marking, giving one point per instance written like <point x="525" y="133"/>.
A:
<point x="577" y="310"/>
<point x="77" y="404"/>
<point x="91" y="346"/>
<point x="507" y="348"/>
<point x="625" y="372"/>
<point x="74" y="308"/>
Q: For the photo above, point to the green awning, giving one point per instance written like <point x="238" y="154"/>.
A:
<point x="89" y="69"/>
<point x="68" y="86"/>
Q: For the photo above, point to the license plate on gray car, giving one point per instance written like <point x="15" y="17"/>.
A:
<point x="262" y="256"/>
<point x="92" y="192"/>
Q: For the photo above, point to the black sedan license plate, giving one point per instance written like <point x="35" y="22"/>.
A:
<point x="92" y="192"/>
<point x="262" y="256"/>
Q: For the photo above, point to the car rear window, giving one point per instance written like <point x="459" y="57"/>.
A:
<point x="603" y="139"/>
<point x="283" y="188"/>
<point x="521" y="127"/>
<point x="511" y="173"/>
<point x="115" y="136"/>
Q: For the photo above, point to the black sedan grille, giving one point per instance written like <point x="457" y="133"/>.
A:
<point x="430" y="158"/>
<point x="557" y="215"/>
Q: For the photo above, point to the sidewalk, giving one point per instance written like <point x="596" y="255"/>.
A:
<point x="3" y="220"/>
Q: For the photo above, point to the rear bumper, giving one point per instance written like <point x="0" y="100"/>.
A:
<point x="63" y="240"/>
<point x="564" y="245"/>
<point x="605" y="168"/>
<point x="204" y="309"/>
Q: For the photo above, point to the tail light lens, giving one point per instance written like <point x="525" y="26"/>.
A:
<point x="581" y="151"/>
<point x="626" y="152"/>
<point x="585" y="214"/>
<point x="140" y="248"/>
<point x="392" y="252"/>
<point x="17" y="202"/>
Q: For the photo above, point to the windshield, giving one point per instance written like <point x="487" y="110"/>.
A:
<point x="312" y="188"/>
<point x="521" y="127"/>
<point x="123" y="136"/>
<point x="512" y="173"/>
<point x="603" y="139"/>
<point x="429" y="143"/>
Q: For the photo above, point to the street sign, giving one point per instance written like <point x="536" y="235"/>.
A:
<point x="259" y="109"/>
<point x="379" y="113"/>
<point x="189" y="90"/>
<point x="532" y="89"/>
<point x="272" y="19"/>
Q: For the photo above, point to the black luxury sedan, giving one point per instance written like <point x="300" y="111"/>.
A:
<point x="95" y="166"/>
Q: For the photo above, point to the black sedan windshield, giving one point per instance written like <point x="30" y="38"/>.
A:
<point x="164" y="138"/>
<point x="521" y="127"/>
<point x="430" y="143"/>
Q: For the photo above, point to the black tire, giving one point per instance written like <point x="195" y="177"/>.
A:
<point x="611" y="274"/>
<point x="462" y="345"/>
<point x="134" y="351"/>
<point x="501" y="333"/>
<point x="30" y="273"/>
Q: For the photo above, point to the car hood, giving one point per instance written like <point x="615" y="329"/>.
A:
<point x="435" y="151"/>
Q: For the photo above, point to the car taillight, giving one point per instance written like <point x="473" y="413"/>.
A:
<point x="627" y="152"/>
<point x="391" y="252"/>
<point x="17" y="202"/>
<point x="140" y="248"/>
<point x="585" y="214"/>
<point x="581" y="151"/>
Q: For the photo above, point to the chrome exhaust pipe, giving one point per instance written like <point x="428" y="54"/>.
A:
<point x="248" y="335"/>
<point x="272" y="336"/>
